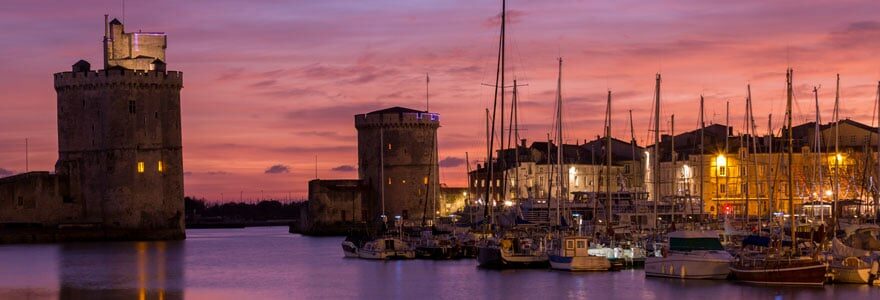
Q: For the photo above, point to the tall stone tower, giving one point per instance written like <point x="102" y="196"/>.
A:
<point x="119" y="137"/>
<point x="397" y="159"/>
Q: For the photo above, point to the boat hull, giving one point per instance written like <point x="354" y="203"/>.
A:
<point x="579" y="263"/>
<point x="494" y="258"/>
<point x="687" y="267"/>
<point x="796" y="274"/>
<point x="851" y="275"/>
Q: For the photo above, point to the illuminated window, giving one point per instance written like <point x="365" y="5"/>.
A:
<point x="426" y="180"/>
<point x="389" y="180"/>
<point x="722" y="188"/>
<point x="722" y="171"/>
<point x="161" y="167"/>
<point x="389" y="146"/>
<point x="140" y="167"/>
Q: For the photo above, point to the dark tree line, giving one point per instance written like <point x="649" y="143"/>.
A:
<point x="263" y="210"/>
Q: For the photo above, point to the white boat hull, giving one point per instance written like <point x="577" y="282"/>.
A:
<point x="685" y="267"/>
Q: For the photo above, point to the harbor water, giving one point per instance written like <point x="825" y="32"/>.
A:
<point x="269" y="263"/>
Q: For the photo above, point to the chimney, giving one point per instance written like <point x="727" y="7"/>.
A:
<point x="522" y="143"/>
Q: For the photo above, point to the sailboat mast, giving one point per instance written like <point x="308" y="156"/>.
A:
<point x="877" y="177"/>
<point x="382" y="172"/>
<point x="771" y="175"/>
<point x="836" y="117"/>
<point x="818" y="153"/>
<point x="674" y="172"/>
<point x="515" y="121"/>
<point x="656" y="171"/>
<point x="499" y="89"/>
<point x="788" y="98"/>
<point x="745" y="161"/>
<point x="702" y="153"/>
<point x="608" y="154"/>
<point x="559" y="144"/>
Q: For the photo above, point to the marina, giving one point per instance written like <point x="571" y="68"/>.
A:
<point x="268" y="262"/>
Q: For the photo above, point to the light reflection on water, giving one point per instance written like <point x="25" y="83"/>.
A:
<point x="260" y="263"/>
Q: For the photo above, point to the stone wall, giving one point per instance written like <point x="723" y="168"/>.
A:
<point x="334" y="207"/>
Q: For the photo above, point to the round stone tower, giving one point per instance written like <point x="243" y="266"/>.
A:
<point x="119" y="143"/>
<point x="397" y="160"/>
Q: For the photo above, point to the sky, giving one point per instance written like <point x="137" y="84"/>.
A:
<point x="271" y="87"/>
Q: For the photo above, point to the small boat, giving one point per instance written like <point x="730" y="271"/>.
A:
<point x="854" y="270"/>
<point x="386" y="248"/>
<point x="511" y="252"/>
<point x="691" y="255"/>
<point x="571" y="254"/>
<point x="778" y="270"/>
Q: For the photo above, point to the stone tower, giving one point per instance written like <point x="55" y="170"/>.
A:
<point x="402" y="140"/>
<point x="119" y="137"/>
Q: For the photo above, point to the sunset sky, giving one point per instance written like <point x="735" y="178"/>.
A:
<point x="269" y="85"/>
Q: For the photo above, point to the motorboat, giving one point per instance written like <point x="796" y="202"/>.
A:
<point x="691" y="255"/>
<point x="386" y="248"/>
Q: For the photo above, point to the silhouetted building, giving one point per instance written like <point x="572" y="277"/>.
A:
<point x="119" y="173"/>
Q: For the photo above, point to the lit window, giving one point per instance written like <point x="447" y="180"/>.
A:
<point x="161" y="167"/>
<point x="722" y="171"/>
<point x="140" y="167"/>
<point x="389" y="180"/>
<point x="722" y="188"/>
<point x="389" y="146"/>
<point x="426" y="180"/>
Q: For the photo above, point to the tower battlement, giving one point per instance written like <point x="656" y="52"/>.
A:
<point x="133" y="78"/>
<point x="396" y="119"/>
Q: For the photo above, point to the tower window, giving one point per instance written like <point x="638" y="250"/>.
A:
<point x="140" y="167"/>
<point x="161" y="167"/>
<point x="389" y="146"/>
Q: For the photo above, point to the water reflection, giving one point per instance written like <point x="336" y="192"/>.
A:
<point x="132" y="270"/>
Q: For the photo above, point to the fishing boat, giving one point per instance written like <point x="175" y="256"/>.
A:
<point x="571" y="254"/>
<point x="386" y="248"/>
<point x="691" y="255"/>
<point x="512" y="252"/>
<point x="854" y="270"/>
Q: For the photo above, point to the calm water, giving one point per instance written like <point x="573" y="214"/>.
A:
<point x="264" y="263"/>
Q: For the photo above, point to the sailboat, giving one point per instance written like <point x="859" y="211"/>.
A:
<point x="773" y="266"/>
<point x="570" y="252"/>
<point x="514" y="248"/>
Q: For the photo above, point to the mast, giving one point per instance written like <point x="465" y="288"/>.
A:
<point x="382" y="170"/>
<point x="877" y="177"/>
<point x="499" y="91"/>
<point x="608" y="154"/>
<point x="561" y="192"/>
<point x="632" y="146"/>
<point x="745" y="161"/>
<point x="788" y="98"/>
<point x="514" y="120"/>
<point x="487" y="180"/>
<point x="771" y="176"/>
<point x="467" y="198"/>
<point x="674" y="172"/>
<point x="754" y="161"/>
<point x="702" y="153"/>
<point x="656" y="166"/>
<point x="818" y="153"/>
<point x="836" y="117"/>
